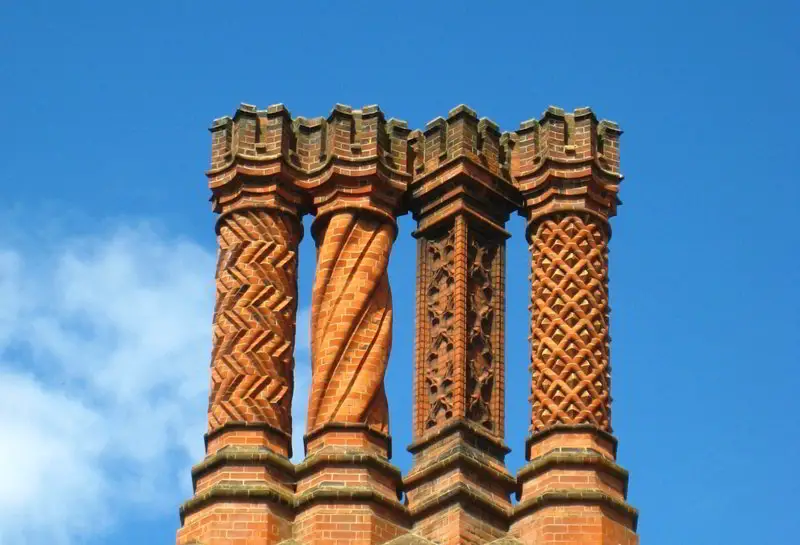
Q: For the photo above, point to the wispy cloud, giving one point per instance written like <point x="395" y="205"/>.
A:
<point x="104" y="350"/>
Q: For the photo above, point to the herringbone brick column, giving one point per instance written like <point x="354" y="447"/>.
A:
<point x="458" y="490"/>
<point x="244" y="488"/>
<point x="567" y="168"/>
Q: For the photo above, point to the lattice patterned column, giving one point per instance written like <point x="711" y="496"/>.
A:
<point x="458" y="490"/>
<point x="569" y="332"/>
<point x="567" y="167"/>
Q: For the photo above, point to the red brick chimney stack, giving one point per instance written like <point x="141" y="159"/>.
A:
<point x="461" y="178"/>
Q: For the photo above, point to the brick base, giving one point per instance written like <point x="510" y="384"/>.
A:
<point x="458" y="490"/>
<point x="344" y="522"/>
<point x="347" y="490"/>
<point x="243" y="495"/>
<point x="235" y="523"/>
<point x="572" y="491"/>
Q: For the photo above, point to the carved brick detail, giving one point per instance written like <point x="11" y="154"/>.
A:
<point x="481" y="326"/>
<point x="569" y="332"/>
<point x="461" y="177"/>
<point x="351" y="322"/>
<point x="254" y="319"/>
<point x="440" y="314"/>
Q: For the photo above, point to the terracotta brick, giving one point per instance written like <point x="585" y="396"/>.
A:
<point x="461" y="177"/>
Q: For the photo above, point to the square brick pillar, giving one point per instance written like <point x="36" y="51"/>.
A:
<point x="458" y="489"/>
<point x="572" y="491"/>
<point x="243" y="490"/>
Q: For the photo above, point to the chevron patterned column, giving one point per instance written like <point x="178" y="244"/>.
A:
<point x="244" y="489"/>
<point x="254" y="328"/>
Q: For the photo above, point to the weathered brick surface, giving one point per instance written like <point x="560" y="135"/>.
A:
<point x="461" y="177"/>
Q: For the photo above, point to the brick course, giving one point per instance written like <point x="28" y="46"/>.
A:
<point x="461" y="177"/>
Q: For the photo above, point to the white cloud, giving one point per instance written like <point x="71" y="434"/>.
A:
<point x="104" y="351"/>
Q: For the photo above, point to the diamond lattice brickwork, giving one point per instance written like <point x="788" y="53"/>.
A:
<point x="569" y="333"/>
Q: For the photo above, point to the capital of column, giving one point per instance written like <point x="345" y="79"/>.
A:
<point x="566" y="166"/>
<point x="567" y="162"/>
<point x="461" y="167"/>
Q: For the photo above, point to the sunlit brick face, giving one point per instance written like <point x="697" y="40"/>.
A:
<point x="461" y="178"/>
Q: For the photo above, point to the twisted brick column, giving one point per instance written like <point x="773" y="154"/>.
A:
<point x="569" y="329"/>
<point x="351" y="316"/>
<point x="347" y="491"/>
<point x="254" y="320"/>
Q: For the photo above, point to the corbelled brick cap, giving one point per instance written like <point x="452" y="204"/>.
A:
<point x="306" y="153"/>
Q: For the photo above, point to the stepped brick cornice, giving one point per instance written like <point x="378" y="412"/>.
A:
<point x="567" y="161"/>
<point x="302" y="154"/>
<point x="352" y="157"/>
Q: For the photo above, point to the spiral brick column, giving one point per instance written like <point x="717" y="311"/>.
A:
<point x="572" y="490"/>
<point x="347" y="491"/>
<point x="351" y="323"/>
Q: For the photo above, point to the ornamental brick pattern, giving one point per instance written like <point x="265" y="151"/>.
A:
<point x="351" y="323"/>
<point x="254" y="320"/>
<point x="438" y="283"/>
<point x="461" y="178"/>
<point x="569" y="333"/>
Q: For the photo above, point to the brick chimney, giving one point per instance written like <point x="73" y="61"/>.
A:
<point x="461" y="178"/>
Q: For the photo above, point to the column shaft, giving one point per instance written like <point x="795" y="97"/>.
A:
<point x="254" y="324"/>
<point x="572" y="490"/>
<point x="569" y="328"/>
<point x="458" y="488"/>
<point x="351" y="317"/>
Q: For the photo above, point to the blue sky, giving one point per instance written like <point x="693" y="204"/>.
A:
<point x="107" y="246"/>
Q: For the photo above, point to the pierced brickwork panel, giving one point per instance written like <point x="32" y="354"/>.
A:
<point x="254" y="319"/>
<point x="351" y="322"/>
<point x="482" y="323"/>
<point x="569" y="333"/>
<point x="440" y="314"/>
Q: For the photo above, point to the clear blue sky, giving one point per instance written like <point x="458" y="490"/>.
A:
<point x="106" y="236"/>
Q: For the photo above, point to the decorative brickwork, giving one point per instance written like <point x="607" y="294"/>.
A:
<point x="458" y="489"/>
<point x="439" y="283"/>
<point x="567" y="169"/>
<point x="461" y="178"/>
<point x="570" y="322"/>
<point x="254" y="320"/>
<point x="484" y="277"/>
<point x="351" y="323"/>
